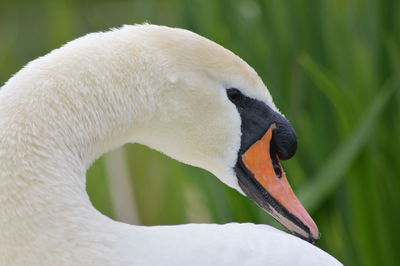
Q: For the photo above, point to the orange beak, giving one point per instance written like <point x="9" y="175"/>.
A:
<point x="283" y="204"/>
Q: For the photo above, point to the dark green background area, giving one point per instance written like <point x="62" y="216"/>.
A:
<point x="333" y="68"/>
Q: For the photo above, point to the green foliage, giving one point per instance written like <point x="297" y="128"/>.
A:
<point x="333" y="69"/>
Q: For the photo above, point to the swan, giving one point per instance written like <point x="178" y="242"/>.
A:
<point x="167" y="88"/>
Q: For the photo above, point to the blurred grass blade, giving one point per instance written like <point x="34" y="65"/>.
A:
<point x="329" y="85"/>
<point x="329" y="176"/>
<point x="98" y="188"/>
<point x="121" y="191"/>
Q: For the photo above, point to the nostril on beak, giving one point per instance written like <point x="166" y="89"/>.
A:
<point x="284" y="140"/>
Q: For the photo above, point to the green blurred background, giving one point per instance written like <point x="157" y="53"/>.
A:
<point x="333" y="67"/>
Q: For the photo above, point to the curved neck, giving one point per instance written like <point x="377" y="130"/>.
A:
<point x="52" y="128"/>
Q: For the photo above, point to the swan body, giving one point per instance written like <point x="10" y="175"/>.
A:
<point x="162" y="87"/>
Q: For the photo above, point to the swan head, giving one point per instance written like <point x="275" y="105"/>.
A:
<point x="204" y="106"/>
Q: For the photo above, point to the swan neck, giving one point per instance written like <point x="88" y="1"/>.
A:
<point x="42" y="179"/>
<point x="52" y="129"/>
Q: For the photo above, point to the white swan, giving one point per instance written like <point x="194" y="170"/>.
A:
<point x="166" y="88"/>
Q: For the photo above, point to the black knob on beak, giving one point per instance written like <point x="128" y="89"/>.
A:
<point x="284" y="140"/>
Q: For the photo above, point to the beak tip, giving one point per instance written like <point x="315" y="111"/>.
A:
<point x="313" y="240"/>
<point x="315" y="236"/>
<point x="314" y="232"/>
<point x="309" y="238"/>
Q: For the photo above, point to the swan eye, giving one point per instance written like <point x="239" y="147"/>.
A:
<point x="234" y="95"/>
